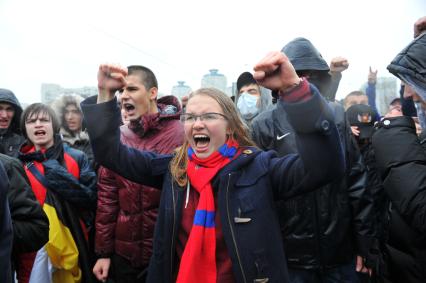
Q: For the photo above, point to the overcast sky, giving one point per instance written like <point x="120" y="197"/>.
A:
<point x="63" y="42"/>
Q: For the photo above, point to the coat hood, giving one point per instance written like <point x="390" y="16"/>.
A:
<point x="410" y="65"/>
<point x="58" y="106"/>
<point x="7" y="96"/>
<point x="265" y="102"/>
<point x="304" y="56"/>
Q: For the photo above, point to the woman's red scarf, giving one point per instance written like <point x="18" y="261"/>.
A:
<point x="198" y="263"/>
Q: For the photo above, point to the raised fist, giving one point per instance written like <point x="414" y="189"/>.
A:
<point x="110" y="79"/>
<point x="276" y="72"/>
<point x="338" y="64"/>
<point x="419" y="26"/>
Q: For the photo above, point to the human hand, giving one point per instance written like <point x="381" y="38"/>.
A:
<point x="418" y="126"/>
<point x="110" y="79"/>
<point x="275" y="72"/>
<point x="338" y="64"/>
<point x="360" y="267"/>
<point x="101" y="269"/>
<point x="372" y="76"/>
<point x="355" y="131"/>
<point x="419" y="26"/>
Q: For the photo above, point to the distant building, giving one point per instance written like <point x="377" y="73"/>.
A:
<point x="387" y="88"/>
<point x="231" y="90"/>
<point x="49" y="92"/>
<point x="214" y="79"/>
<point x="180" y="90"/>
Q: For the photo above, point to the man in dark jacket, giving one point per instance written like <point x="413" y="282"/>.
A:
<point x="127" y="211"/>
<point x="401" y="159"/>
<point x="325" y="230"/>
<point x="30" y="223"/>
<point x="6" y="232"/>
<point x="10" y="113"/>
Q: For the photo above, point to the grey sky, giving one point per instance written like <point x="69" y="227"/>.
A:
<point x="63" y="42"/>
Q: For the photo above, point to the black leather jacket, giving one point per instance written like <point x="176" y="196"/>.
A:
<point x="401" y="160"/>
<point x="328" y="226"/>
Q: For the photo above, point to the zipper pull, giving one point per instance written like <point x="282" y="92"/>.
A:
<point x="188" y="187"/>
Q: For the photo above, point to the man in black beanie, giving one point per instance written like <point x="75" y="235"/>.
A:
<point x="328" y="233"/>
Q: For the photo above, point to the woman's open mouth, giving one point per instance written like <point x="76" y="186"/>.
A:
<point x="201" y="142"/>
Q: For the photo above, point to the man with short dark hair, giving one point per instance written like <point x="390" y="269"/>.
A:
<point x="355" y="97"/>
<point x="10" y="113"/>
<point x="124" y="244"/>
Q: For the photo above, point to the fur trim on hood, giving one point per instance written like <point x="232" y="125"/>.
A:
<point x="63" y="101"/>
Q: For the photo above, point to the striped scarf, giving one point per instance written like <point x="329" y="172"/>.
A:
<point x="198" y="263"/>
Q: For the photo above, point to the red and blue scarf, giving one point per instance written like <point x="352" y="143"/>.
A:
<point x="198" y="263"/>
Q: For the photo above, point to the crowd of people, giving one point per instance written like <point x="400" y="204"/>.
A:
<point x="280" y="183"/>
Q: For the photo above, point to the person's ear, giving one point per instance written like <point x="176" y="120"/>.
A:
<point x="153" y="92"/>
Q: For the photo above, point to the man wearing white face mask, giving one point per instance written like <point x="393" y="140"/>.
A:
<point x="251" y="99"/>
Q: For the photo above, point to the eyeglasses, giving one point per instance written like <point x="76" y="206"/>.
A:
<point x="188" y="118"/>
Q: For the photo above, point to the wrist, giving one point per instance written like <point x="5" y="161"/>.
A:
<point x="291" y="87"/>
<point x="105" y="95"/>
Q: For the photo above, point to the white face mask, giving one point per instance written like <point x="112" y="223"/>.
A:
<point x="247" y="105"/>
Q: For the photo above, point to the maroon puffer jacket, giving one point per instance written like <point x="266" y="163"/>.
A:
<point x="127" y="211"/>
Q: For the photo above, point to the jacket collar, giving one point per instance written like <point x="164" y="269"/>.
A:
<point x="250" y="174"/>
<point x="149" y="122"/>
<point x="28" y="154"/>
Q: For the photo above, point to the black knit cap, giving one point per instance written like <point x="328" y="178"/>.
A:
<point x="244" y="79"/>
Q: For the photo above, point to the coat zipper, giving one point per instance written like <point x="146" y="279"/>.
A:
<point x="173" y="231"/>
<point x="232" y="230"/>
<point x="317" y="229"/>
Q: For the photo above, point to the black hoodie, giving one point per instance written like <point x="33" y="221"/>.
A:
<point x="11" y="139"/>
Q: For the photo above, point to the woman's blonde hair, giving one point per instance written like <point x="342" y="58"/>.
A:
<point x="238" y="131"/>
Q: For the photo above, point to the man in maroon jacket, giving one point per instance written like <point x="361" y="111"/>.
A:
<point x="127" y="211"/>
